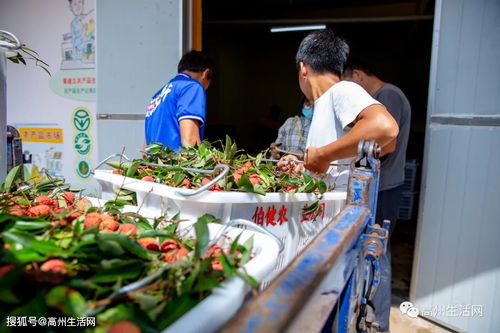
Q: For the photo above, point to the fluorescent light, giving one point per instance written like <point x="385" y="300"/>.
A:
<point x="299" y="28"/>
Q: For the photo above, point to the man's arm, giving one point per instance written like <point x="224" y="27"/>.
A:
<point x="190" y="132"/>
<point x="373" y="123"/>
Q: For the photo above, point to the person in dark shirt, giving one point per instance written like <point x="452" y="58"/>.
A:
<point x="392" y="171"/>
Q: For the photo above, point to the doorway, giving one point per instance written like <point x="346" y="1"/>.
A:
<point x="255" y="86"/>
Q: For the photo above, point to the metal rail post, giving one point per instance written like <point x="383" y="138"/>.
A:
<point x="5" y="46"/>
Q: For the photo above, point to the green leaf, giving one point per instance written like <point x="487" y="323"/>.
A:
<point x="245" y="183"/>
<point x="227" y="148"/>
<point x="131" y="171"/>
<point x="259" y="189"/>
<point x="119" y="165"/>
<point x="46" y="247"/>
<point x="202" y="235"/>
<point x="154" y="147"/>
<point x="69" y="301"/>
<point x="226" y="265"/>
<point x="175" y="309"/>
<point x="27" y="255"/>
<point x="18" y="237"/>
<point x="311" y="208"/>
<point x="110" y="247"/>
<point x="321" y="186"/>
<point x="130" y="269"/>
<point x="34" y="225"/>
<point x="125" y="198"/>
<point x="128" y="244"/>
<point x="146" y="301"/>
<point x="234" y="244"/>
<point x="116" y="314"/>
<point x="12" y="176"/>
<point x="178" y="177"/>
<point x="26" y="174"/>
<point x="206" y="283"/>
<point x="247" y="252"/>
<point x="258" y="159"/>
<point x="250" y="280"/>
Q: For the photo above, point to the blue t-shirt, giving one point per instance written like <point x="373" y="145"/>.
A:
<point x="182" y="98"/>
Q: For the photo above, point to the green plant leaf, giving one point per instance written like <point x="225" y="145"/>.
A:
<point x="110" y="247"/>
<point x="32" y="225"/>
<point x="46" y="247"/>
<point x="178" y="177"/>
<point x="12" y="176"/>
<point x="322" y="186"/>
<point x="250" y="280"/>
<point x="27" y="255"/>
<point x="175" y="309"/>
<point x="132" y="170"/>
<point x="123" y="270"/>
<point x="258" y="159"/>
<point x="128" y="244"/>
<point x="202" y="235"/>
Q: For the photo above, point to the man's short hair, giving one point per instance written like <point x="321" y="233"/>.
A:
<point x="323" y="51"/>
<point x="195" y="61"/>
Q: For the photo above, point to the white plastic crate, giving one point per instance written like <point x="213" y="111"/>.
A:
<point x="279" y="213"/>
<point x="215" y="310"/>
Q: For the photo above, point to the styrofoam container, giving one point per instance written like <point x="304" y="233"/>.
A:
<point x="216" y="309"/>
<point x="279" y="213"/>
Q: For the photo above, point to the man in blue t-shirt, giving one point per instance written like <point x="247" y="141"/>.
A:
<point x="177" y="112"/>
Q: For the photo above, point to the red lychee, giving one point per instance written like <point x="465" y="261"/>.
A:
<point x="149" y="243"/>
<point x="54" y="266"/>
<point x="128" y="229"/>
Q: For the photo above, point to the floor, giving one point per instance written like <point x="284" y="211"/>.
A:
<point x="403" y="245"/>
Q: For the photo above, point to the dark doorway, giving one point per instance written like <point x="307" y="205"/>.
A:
<point x="256" y="77"/>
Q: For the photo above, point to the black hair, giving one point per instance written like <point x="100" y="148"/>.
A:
<point x="195" y="61"/>
<point x="323" y="51"/>
<point x="361" y="65"/>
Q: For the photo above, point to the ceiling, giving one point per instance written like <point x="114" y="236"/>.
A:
<point x="296" y="11"/>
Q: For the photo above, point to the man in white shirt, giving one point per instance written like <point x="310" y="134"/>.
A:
<point x="344" y="113"/>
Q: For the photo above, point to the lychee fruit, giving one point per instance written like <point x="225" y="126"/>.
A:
<point x="124" y="326"/>
<point x="44" y="200"/>
<point x="109" y="224"/>
<point x="255" y="179"/>
<point x="173" y="256"/>
<point x="39" y="210"/>
<point x="69" y="197"/>
<point x="83" y="204"/>
<point x="54" y="266"/>
<point x="149" y="243"/>
<point x="169" y="245"/>
<point x="128" y="229"/>
<point x="148" y="179"/>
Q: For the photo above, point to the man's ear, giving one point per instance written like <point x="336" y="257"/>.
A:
<point x="205" y="74"/>
<point x="357" y="75"/>
<point x="302" y="69"/>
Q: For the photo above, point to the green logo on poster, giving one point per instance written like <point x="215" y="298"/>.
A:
<point x="83" y="169"/>
<point x="81" y="119"/>
<point x="82" y="143"/>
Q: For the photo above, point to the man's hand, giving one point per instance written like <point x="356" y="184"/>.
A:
<point x="288" y="165"/>
<point x="315" y="160"/>
<point x="274" y="153"/>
